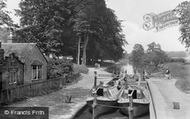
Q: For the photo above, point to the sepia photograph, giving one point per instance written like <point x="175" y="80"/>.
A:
<point x="94" y="59"/>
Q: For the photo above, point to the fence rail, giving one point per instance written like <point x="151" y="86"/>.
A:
<point x="36" y="88"/>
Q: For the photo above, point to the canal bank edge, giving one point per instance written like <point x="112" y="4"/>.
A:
<point x="158" y="102"/>
<point x="79" y="111"/>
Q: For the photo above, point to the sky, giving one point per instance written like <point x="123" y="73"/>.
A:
<point x="132" y="12"/>
<point x="11" y="5"/>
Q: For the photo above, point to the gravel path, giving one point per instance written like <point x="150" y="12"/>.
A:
<point x="171" y="94"/>
<point x="88" y="79"/>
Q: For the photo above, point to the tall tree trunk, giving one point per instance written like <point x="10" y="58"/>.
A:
<point x="78" y="54"/>
<point x="86" y="39"/>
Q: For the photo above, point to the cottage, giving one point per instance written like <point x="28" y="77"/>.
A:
<point x="23" y="63"/>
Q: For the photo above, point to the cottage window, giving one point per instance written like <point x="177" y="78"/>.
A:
<point x="37" y="72"/>
<point x="13" y="63"/>
<point x="13" y="77"/>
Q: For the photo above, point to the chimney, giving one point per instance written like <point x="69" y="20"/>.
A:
<point x="10" y="37"/>
<point x="1" y="66"/>
<point x="1" y="55"/>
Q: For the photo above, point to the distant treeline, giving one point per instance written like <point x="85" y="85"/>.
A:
<point x="177" y="54"/>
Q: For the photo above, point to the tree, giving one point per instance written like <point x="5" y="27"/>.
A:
<point x="137" y="56"/>
<point x="78" y="53"/>
<point x="64" y="27"/>
<point x="183" y="12"/>
<point x="99" y="25"/>
<point x="148" y="60"/>
<point x="153" y="57"/>
<point x="5" y="19"/>
<point x="83" y="22"/>
<point x="153" y="47"/>
<point x="156" y="54"/>
<point x="112" y="35"/>
<point x="45" y="22"/>
<point x="6" y="23"/>
<point x="137" y="60"/>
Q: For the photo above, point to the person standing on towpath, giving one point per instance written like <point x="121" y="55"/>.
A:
<point x="168" y="76"/>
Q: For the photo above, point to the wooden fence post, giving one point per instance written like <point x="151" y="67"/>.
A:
<point x="130" y="108"/>
<point x="95" y="78"/>
<point x="94" y="105"/>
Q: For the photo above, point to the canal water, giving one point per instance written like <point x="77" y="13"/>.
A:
<point x="85" y="114"/>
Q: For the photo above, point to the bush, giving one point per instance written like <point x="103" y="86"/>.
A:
<point x="59" y="68"/>
<point x="177" y="60"/>
<point x="80" y="69"/>
<point x="183" y="84"/>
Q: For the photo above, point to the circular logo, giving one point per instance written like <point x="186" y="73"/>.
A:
<point x="6" y="112"/>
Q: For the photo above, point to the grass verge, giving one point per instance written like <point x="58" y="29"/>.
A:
<point x="180" y="71"/>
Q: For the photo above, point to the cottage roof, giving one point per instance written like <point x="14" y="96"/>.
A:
<point x="22" y="50"/>
<point x="37" y="62"/>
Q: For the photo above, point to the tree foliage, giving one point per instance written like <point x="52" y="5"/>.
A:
<point x="3" y="34"/>
<point x="152" y="47"/>
<point x="44" y="22"/>
<point x="137" y="56"/>
<point x="149" y="59"/>
<point x="97" y="23"/>
<point x="156" y="54"/>
<point x="6" y="23"/>
<point x="57" y="25"/>
<point x="5" y="19"/>
<point x="183" y="12"/>
<point x="59" y="68"/>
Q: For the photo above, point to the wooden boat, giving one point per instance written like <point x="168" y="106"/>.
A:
<point x="106" y="100"/>
<point x="139" y="102"/>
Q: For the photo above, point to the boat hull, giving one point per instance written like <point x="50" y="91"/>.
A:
<point x="138" y="109"/>
<point x="101" y="107"/>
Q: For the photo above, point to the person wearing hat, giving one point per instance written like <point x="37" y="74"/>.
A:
<point x="168" y="74"/>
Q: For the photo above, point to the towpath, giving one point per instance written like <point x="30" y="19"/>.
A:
<point x="170" y="95"/>
<point x="55" y="100"/>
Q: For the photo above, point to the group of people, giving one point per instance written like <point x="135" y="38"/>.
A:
<point x="122" y="81"/>
<point x="124" y="76"/>
<point x="121" y="78"/>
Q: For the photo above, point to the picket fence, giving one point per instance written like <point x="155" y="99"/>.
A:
<point x="21" y="92"/>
